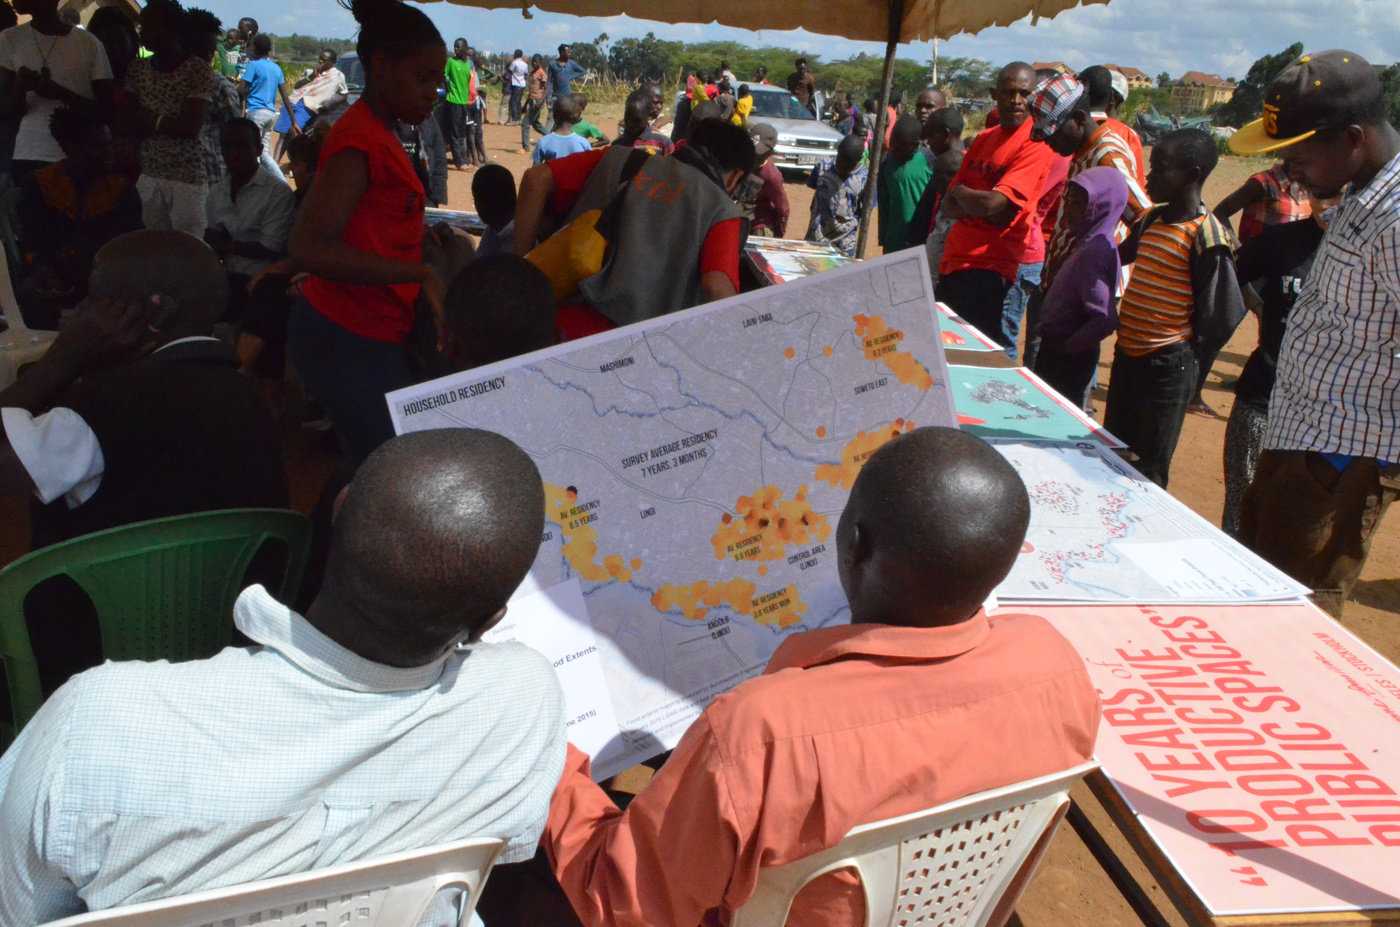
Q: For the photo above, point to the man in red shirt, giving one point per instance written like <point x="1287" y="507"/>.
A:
<point x="913" y="704"/>
<point x="994" y="197"/>
<point x="763" y="197"/>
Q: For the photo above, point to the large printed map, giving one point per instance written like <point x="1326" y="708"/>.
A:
<point x="1101" y="532"/>
<point x="695" y="467"/>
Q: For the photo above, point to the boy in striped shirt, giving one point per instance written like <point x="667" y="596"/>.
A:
<point x="1182" y="303"/>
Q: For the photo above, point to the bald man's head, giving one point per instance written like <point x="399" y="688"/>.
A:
<point x="181" y="269"/>
<point x="437" y="530"/>
<point x="934" y="522"/>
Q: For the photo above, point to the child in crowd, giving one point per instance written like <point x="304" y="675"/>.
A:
<point x="1182" y="303"/>
<point x="839" y="183"/>
<point x="1078" y="310"/>
<point x="563" y="141"/>
<point x="743" y="105"/>
<point x="636" y="125"/>
<point x="584" y="128"/>
<point x="943" y="136"/>
<point x="1267" y="198"/>
<point x="1276" y="261"/>
<point x="904" y="176"/>
<point x="517" y="319"/>
<point x="493" y="192"/>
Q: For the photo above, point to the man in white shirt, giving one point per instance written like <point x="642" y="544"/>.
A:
<point x="250" y="210"/>
<point x="375" y="724"/>
<point x="519" y="71"/>
<point x="45" y="64"/>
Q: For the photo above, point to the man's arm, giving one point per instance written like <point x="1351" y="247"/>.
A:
<point x="777" y="195"/>
<point x="990" y="206"/>
<point x="536" y="188"/>
<point x="1250" y="192"/>
<point x="669" y="858"/>
<point x="37" y="852"/>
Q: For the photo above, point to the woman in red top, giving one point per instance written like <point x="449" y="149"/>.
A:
<point x="360" y="232"/>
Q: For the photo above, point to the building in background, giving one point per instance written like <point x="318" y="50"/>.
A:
<point x="1197" y="91"/>
<point x="1137" y="78"/>
<point x="1059" y="66"/>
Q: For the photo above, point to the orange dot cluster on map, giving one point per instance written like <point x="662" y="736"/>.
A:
<point x="881" y="343"/>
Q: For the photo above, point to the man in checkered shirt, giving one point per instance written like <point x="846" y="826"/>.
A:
<point x="1329" y="471"/>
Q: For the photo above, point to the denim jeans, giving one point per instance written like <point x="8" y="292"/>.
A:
<point x="264" y="119"/>
<point x="349" y="375"/>
<point x="1013" y="308"/>
<point x="516" y="95"/>
<point x="1147" y="399"/>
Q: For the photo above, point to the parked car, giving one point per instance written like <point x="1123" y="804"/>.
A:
<point x="803" y="139"/>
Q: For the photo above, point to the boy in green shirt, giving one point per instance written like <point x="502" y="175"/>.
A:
<point x="904" y="175"/>
<point x="583" y="127"/>
<point x="461" y="94"/>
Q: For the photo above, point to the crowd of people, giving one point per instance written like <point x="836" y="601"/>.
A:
<point x="190" y="275"/>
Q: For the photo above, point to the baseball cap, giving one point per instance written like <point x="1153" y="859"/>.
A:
<point x="1053" y="101"/>
<point x="765" y="138"/>
<point x="1314" y="93"/>
<point x="1120" y="84"/>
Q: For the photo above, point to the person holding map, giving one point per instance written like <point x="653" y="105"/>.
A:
<point x="909" y="706"/>
<point x="378" y="721"/>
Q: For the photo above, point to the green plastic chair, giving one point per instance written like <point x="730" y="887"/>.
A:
<point x="162" y="589"/>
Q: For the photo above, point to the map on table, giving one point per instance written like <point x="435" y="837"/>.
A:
<point x="958" y="334"/>
<point x="695" y="467"/>
<point x="1258" y="746"/>
<point x="786" y="264"/>
<point x="1015" y="403"/>
<point x="1101" y="532"/>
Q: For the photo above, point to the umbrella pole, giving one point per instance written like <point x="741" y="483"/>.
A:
<point x="877" y="148"/>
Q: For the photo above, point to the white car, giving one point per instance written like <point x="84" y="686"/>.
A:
<point x="803" y="140"/>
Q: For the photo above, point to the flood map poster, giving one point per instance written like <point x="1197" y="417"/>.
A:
<point x="695" y="467"/>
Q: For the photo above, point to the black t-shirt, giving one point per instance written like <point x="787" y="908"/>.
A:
<point x="1277" y="261"/>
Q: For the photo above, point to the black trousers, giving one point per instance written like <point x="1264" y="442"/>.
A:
<point x="977" y="295"/>
<point x="1068" y="373"/>
<point x="454" y="127"/>
<point x="1147" y="399"/>
<point x="516" y="94"/>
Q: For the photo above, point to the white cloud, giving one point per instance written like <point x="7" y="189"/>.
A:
<point x="1224" y="36"/>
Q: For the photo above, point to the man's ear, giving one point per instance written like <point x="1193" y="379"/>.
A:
<point x="340" y="498"/>
<point x="487" y="625"/>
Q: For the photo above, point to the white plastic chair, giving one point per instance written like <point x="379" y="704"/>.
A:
<point x="956" y="865"/>
<point x="391" y="891"/>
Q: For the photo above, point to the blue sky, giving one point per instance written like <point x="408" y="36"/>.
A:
<point x="1223" y="36"/>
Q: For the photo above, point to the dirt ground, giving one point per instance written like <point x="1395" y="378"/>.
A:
<point x="1070" y="889"/>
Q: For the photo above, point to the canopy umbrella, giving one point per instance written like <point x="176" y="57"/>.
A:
<point x="890" y="21"/>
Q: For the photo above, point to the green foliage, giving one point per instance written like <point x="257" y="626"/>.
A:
<point x="295" y="53"/>
<point x="589" y="55"/>
<point x="1390" y="83"/>
<point x="1164" y="79"/>
<point x="1248" y="100"/>
<point x="1146" y="99"/>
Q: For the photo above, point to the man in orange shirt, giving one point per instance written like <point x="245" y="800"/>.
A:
<point x="920" y="700"/>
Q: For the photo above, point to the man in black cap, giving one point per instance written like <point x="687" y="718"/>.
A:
<point x="1329" y="468"/>
<point x="764" y="200"/>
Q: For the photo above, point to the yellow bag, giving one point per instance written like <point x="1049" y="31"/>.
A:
<point x="571" y="255"/>
<point x="577" y="251"/>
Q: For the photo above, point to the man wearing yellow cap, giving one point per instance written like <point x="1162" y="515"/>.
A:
<point x="1329" y="469"/>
